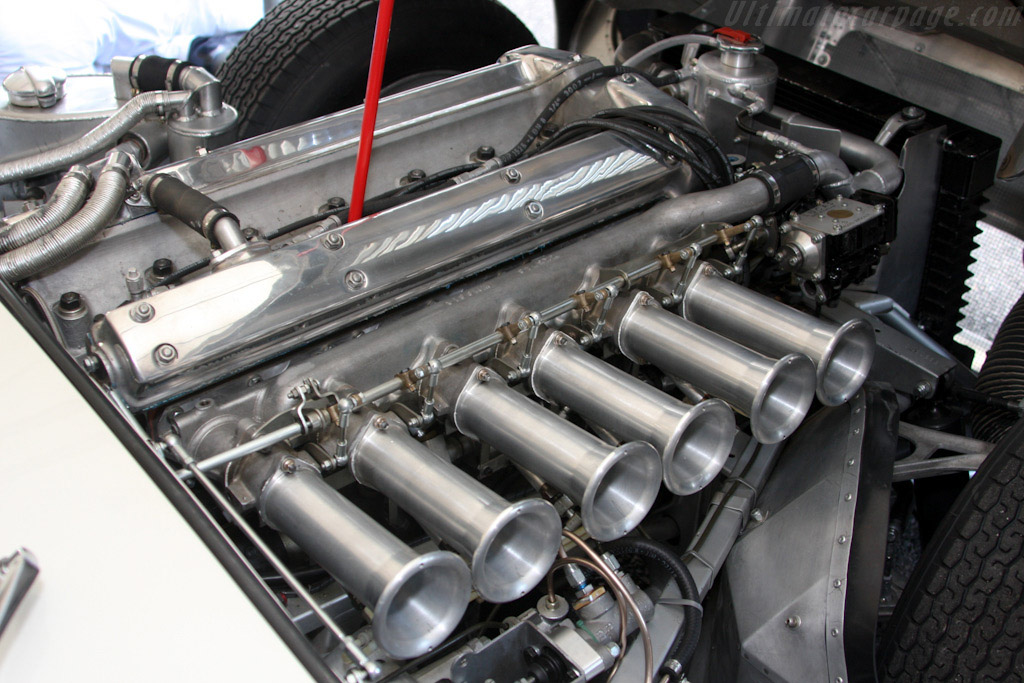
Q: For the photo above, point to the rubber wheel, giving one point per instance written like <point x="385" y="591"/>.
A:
<point x="961" y="617"/>
<point x="307" y="58"/>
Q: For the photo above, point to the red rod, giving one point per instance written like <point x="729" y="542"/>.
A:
<point x="373" y="83"/>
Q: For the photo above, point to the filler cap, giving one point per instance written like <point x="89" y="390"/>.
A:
<point x="36" y="86"/>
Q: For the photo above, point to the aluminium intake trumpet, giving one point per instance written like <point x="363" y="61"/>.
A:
<point x="417" y="600"/>
<point x="694" y="441"/>
<point x="614" y="486"/>
<point x="841" y="354"/>
<point x="774" y="394"/>
<point x="510" y="545"/>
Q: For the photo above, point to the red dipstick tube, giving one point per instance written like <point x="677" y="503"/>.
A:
<point x="373" y="83"/>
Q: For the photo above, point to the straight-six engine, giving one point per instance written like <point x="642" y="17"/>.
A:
<point x="588" y="307"/>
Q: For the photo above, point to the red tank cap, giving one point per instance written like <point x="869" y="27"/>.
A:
<point x="733" y="34"/>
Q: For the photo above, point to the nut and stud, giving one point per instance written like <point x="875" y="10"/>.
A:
<point x="483" y="376"/>
<point x="142" y="312"/>
<point x="355" y="279"/>
<point x="162" y="268"/>
<point x="133" y="281"/>
<point x="534" y="209"/>
<point x="70" y="302"/>
<point x="484" y="152"/>
<point x="513" y="175"/>
<point x="416" y="175"/>
<point x="380" y="422"/>
<point x="333" y="241"/>
<point x="165" y="354"/>
<point x="288" y="466"/>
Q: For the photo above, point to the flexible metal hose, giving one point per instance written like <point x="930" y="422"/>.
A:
<point x="98" y="139"/>
<point x="67" y="238"/>
<point x="67" y="198"/>
<point x="662" y="45"/>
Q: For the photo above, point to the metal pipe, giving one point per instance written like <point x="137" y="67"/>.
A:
<point x="614" y="486"/>
<point x="248" y="448"/>
<point x="66" y="239"/>
<point x="774" y="394"/>
<point x="877" y="168"/>
<point x="67" y="198"/>
<point x="694" y="441"/>
<point x="175" y="445"/>
<point x="417" y="600"/>
<point x="510" y="545"/>
<point x="841" y="354"/>
<point x="95" y="141"/>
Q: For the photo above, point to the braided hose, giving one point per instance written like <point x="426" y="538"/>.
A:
<point x="98" y="139"/>
<point x="67" y="198"/>
<point x="66" y="239"/>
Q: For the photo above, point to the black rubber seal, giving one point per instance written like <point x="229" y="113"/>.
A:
<point x="171" y="487"/>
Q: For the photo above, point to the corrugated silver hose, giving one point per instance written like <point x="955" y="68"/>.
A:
<point x="66" y="239"/>
<point x="98" y="139"/>
<point x="67" y="198"/>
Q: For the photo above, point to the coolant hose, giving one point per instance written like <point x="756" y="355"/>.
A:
<point x="67" y="238"/>
<point x="1002" y="376"/>
<point x="685" y="642"/>
<point x="95" y="141"/>
<point x="67" y="198"/>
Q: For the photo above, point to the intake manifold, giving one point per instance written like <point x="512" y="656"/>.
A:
<point x="774" y="394"/>
<point x="694" y="441"/>
<point x="417" y="600"/>
<point x="841" y="354"/>
<point x="510" y="545"/>
<point x="614" y="486"/>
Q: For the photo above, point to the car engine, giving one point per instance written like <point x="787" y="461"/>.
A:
<point x="606" y="384"/>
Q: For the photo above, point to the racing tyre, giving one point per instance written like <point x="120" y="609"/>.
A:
<point x="961" y="617"/>
<point x="307" y="58"/>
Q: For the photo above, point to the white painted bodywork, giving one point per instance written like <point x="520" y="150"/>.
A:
<point x="126" y="591"/>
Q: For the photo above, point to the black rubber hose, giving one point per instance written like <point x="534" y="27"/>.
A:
<point x="1001" y="376"/>
<point x="558" y="100"/>
<point x="685" y="642"/>
<point x="193" y="208"/>
<point x="151" y="73"/>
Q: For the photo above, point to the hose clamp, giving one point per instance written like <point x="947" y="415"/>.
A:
<point x="774" y="191"/>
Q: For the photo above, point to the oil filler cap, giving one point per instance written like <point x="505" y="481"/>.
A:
<point x="35" y="86"/>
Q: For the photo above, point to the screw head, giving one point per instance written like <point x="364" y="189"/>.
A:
<point x="142" y="312"/>
<point x="838" y="583"/>
<point x="512" y="175"/>
<point x="165" y="354"/>
<point x="534" y="209"/>
<point x="628" y="78"/>
<point x="757" y="515"/>
<point x="835" y="633"/>
<point x="416" y="174"/>
<point x="288" y="466"/>
<point x="355" y="279"/>
<point x="792" y="621"/>
<point x="380" y="422"/>
<point x="561" y="341"/>
<point x="842" y="540"/>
